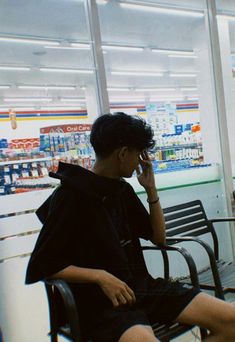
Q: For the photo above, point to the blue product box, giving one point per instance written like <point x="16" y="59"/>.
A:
<point x="178" y="129"/>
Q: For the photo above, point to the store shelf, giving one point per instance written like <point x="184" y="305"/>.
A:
<point x="10" y="162"/>
<point x="174" y="160"/>
<point x="171" y="147"/>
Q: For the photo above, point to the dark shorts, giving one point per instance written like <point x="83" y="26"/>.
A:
<point x="161" y="302"/>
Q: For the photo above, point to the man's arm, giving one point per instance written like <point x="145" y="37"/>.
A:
<point x="115" y="289"/>
<point x="147" y="180"/>
<point x="156" y="217"/>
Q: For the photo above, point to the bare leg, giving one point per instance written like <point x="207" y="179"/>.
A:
<point x="138" y="333"/>
<point x="213" y="314"/>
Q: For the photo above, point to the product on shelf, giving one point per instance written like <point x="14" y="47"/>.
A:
<point x="70" y="143"/>
<point x="25" y="163"/>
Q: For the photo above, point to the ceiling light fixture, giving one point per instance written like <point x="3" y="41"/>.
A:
<point x="174" y="52"/>
<point x="182" y="56"/>
<point x="162" y="10"/>
<point x="72" y="100"/>
<point x="192" y="98"/>
<point x="122" y="48"/>
<point x="101" y="2"/>
<point x="226" y="17"/>
<point x="60" y="108"/>
<point x="14" y="68"/>
<point x="115" y="100"/>
<point x="71" y="46"/>
<point x="4" y="86"/>
<point x="182" y="75"/>
<point x="48" y="87"/>
<point x="27" y="99"/>
<point x="189" y="89"/>
<point x="155" y="89"/>
<point x="81" y="45"/>
<point x="28" y="41"/>
<point x="118" y="89"/>
<point x="137" y="73"/>
<point x="17" y="108"/>
<point x="165" y="99"/>
<point x="77" y="71"/>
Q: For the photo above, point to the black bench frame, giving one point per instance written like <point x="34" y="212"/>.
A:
<point x="73" y="332"/>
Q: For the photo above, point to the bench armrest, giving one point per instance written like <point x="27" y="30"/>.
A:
<point x="211" y="255"/>
<point x="187" y="256"/>
<point x="69" y="304"/>
<point x="222" y="219"/>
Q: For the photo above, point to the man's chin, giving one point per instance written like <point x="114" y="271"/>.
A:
<point x="128" y="175"/>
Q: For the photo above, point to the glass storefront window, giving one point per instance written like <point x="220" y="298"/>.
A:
<point x="226" y="28"/>
<point x="157" y="65"/>
<point x="48" y="95"/>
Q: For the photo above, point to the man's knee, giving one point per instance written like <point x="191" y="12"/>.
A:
<point x="138" y="333"/>
<point x="228" y="319"/>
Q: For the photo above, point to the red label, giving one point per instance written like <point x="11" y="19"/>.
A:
<point x="66" y="128"/>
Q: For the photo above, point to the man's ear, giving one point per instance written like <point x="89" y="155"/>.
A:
<point x="122" y="152"/>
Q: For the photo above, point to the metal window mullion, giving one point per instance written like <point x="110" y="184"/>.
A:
<point x="96" y="46"/>
<point x="221" y="110"/>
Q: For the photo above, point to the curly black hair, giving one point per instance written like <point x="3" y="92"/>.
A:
<point x="112" y="131"/>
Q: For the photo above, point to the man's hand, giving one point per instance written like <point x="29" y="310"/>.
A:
<point x="146" y="175"/>
<point x="116" y="290"/>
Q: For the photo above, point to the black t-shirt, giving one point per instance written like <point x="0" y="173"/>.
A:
<point x="91" y="218"/>
<point x="118" y="212"/>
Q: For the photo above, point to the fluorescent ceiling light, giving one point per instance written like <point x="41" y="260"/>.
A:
<point x="226" y="17"/>
<point x="101" y="2"/>
<point x="47" y="87"/>
<point x="174" y="52"/>
<point x="162" y="99"/>
<point x="118" y="89"/>
<point x="122" y="48"/>
<point x="182" y="75"/>
<point x="155" y="89"/>
<point x="65" y="48"/>
<point x="73" y="100"/>
<point x="167" y="96"/>
<point x="60" y="108"/>
<point x="162" y="10"/>
<point x="81" y="45"/>
<point x="192" y="98"/>
<point x="189" y="89"/>
<point x="78" y="71"/>
<point x="136" y="73"/>
<point x="182" y="56"/>
<point x="32" y="99"/>
<point x="72" y="46"/>
<point x="17" y="108"/>
<point x="126" y="100"/>
<point x="4" y="86"/>
<point x="28" y="41"/>
<point x="16" y="68"/>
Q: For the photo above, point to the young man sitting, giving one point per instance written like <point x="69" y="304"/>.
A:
<point x="90" y="238"/>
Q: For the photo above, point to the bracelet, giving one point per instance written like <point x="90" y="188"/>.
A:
<point x="153" y="202"/>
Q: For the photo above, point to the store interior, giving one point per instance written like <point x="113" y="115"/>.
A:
<point x="62" y="64"/>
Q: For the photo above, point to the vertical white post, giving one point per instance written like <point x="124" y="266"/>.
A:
<point x="225" y="47"/>
<point x="94" y="30"/>
<point x="208" y="119"/>
<point x="91" y="102"/>
<point x="221" y="110"/>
